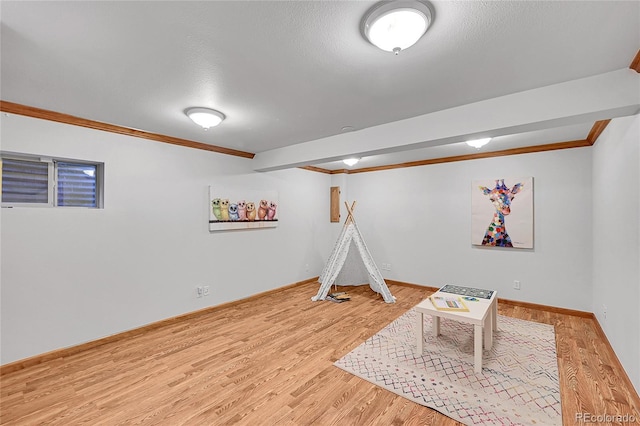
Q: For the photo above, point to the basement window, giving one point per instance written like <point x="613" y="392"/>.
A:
<point x="50" y="182"/>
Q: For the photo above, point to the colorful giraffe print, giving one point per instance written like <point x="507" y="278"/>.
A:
<point x="501" y="197"/>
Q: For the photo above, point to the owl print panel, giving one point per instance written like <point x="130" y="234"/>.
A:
<point x="502" y="212"/>
<point x="231" y="209"/>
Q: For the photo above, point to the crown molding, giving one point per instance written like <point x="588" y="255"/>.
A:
<point x="635" y="64"/>
<point x="316" y="169"/>
<point x="14" y="108"/>
<point x="596" y="130"/>
<point x="28" y="111"/>
<point x="476" y="156"/>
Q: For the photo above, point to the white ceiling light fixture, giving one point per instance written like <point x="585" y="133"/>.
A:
<point x="205" y="117"/>
<point x="350" y="161"/>
<point x="396" y="25"/>
<point x="478" y="143"/>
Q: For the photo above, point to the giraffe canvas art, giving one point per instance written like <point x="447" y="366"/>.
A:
<point x="502" y="212"/>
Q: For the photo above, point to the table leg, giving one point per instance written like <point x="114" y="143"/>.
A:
<point x="488" y="332"/>
<point x="419" y="333"/>
<point x="477" y="348"/>
<point x="435" y="325"/>
<point x="494" y="313"/>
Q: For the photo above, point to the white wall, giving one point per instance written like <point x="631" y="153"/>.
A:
<point x="74" y="275"/>
<point x="419" y="220"/>
<point x="616" y="239"/>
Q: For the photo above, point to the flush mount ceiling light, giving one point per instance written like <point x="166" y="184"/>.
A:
<point x="205" y="117"/>
<point x="396" y="25"/>
<point x="478" y="143"/>
<point x="350" y="161"/>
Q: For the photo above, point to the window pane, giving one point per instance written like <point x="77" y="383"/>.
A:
<point x="77" y="184"/>
<point x="24" y="181"/>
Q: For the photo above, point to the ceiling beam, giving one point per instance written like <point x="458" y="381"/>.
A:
<point x="604" y="96"/>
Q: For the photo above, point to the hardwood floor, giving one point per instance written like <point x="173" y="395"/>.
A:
<point x="269" y="361"/>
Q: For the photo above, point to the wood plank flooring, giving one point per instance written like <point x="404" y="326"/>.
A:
<point x="269" y="361"/>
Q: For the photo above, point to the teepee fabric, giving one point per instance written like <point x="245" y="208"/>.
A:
<point x="353" y="271"/>
<point x="341" y="265"/>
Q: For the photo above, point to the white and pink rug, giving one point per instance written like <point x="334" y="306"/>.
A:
<point x="518" y="385"/>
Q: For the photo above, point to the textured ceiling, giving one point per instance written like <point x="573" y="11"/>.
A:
<point x="287" y="72"/>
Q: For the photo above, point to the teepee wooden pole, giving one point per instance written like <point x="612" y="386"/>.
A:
<point x="347" y="221"/>
<point x="350" y="210"/>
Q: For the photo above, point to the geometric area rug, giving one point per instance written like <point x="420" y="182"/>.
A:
<point x="518" y="384"/>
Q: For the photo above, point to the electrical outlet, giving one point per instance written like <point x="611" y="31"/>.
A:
<point x="306" y="267"/>
<point x="199" y="291"/>
<point x="206" y="290"/>
<point x="516" y="285"/>
<point x="388" y="266"/>
<point x="604" y="311"/>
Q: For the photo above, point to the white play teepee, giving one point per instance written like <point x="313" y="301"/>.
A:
<point x="350" y="256"/>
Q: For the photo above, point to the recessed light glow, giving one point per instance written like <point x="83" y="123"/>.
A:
<point x="478" y="143"/>
<point x="351" y="161"/>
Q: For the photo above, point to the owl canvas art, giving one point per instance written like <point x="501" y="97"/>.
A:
<point x="242" y="209"/>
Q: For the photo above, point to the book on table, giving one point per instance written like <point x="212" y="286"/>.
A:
<point x="449" y="303"/>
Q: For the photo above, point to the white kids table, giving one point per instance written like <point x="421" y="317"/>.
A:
<point x="483" y="314"/>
